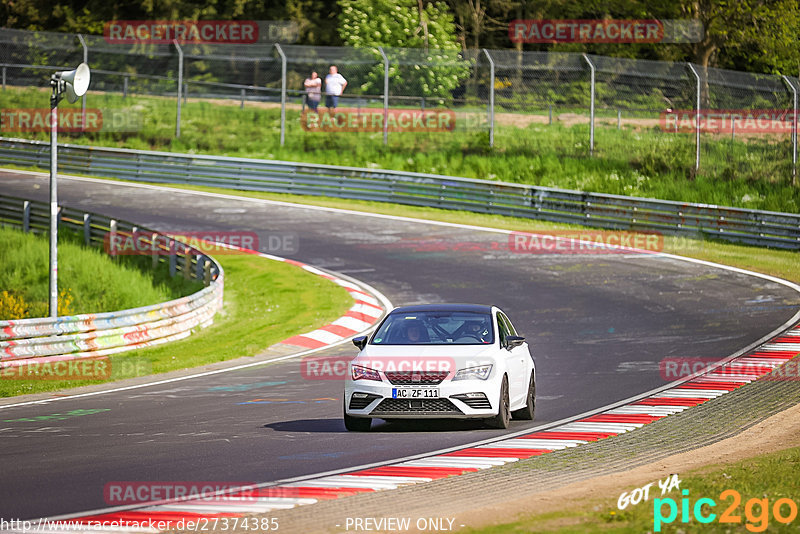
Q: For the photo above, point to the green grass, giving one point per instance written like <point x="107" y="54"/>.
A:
<point x="86" y="273"/>
<point x="265" y="302"/>
<point x="771" y="477"/>
<point x="638" y="161"/>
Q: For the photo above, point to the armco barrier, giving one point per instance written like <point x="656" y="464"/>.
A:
<point x="41" y="340"/>
<point x="753" y="227"/>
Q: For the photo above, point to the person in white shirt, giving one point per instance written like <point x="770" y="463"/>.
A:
<point x="313" y="87"/>
<point x="334" y="87"/>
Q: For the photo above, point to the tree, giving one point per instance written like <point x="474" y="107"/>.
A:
<point x="433" y="70"/>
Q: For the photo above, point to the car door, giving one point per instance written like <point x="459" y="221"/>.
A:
<point x="517" y="359"/>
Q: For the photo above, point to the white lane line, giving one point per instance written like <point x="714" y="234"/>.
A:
<point x="584" y="426"/>
<point x="521" y="443"/>
<point x="352" y="323"/>
<point x="678" y="393"/>
<point x="323" y="336"/>
<point x="646" y="410"/>
<point x="455" y="461"/>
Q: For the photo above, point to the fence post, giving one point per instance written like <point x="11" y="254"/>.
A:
<point x="696" y="119"/>
<point x="243" y="95"/>
<point x="619" y="119"/>
<point x="87" y="228"/>
<point x="490" y="109"/>
<point x="173" y="258"/>
<point x="793" y="89"/>
<point x="591" y="105"/>
<point x="180" y="87"/>
<point x="154" y="250"/>
<point x="26" y="216"/>
<point x="83" y="98"/>
<point x="125" y="86"/>
<point x="4" y="78"/>
<point x="283" y="92"/>
<point x="112" y="238"/>
<point x="385" y="96"/>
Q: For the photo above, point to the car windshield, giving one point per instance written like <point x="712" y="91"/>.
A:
<point x="436" y="328"/>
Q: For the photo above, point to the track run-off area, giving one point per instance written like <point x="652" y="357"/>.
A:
<point x="599" y="327"/>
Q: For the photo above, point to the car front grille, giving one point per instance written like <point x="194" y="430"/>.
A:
<point x="416" y="377"/>
<point x="359" y="401"/>
<point x="416" y="407"/>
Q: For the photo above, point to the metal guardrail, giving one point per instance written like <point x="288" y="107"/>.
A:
<point x="40" y="340"/>
<point x="753" y="227"/>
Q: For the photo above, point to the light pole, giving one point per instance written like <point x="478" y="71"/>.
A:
<point x="74" y="83"/>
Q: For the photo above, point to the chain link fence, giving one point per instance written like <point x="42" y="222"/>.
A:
<point x="621" y="110"/>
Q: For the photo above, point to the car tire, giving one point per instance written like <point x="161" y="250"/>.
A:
<point x="503" y="417"/>
<point x="357" y="424"/>
<point x="528" y="412"/>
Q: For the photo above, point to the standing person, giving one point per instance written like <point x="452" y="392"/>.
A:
<point x="313" y="91"/>
<point x="334" y="87"/>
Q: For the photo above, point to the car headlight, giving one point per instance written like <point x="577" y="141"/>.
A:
<point x="480" y="372"/>
<point x="364" y="373"/>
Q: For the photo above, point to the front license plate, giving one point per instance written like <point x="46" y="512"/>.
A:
<point x="415" y="393"/>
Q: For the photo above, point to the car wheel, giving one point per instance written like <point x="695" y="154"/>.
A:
<point x="356" y="424"/>
<point x="503" y="416"/>
<point x="527" y="413"/>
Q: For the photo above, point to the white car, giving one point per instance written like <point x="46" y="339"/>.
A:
<point x="441" y="361"/>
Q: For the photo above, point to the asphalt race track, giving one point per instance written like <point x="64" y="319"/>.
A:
<point x="598" y="326"/>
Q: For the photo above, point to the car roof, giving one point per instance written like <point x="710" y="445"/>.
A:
<point x="475" y="308"/>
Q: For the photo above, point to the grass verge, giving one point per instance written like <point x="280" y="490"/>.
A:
<point x="765" y="478"/>
<point x="639" y="159"/>
<point x="266" y="301"/>
<point x="85" y="275"/>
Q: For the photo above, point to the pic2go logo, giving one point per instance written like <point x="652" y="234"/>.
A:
<point x="756" y="511"/>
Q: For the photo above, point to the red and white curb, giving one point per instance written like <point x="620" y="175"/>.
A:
<point x="365" y="312"/>
<point x="614" y="421"/>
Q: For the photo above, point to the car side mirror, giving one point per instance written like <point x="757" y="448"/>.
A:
<point x="360" y="342"/>
<point x="514" y="341"/>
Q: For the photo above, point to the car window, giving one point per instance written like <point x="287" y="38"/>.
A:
<point x="502" y="327"/>
<point x="509" y="326"/>
<point x="435" y="328"/>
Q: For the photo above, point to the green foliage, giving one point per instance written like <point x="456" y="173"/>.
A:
<point x="91" y="282"/>
<point x="433" y="70"/>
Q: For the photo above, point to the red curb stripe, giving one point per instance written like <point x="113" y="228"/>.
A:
<point x="497" y="453"/>
<point x="786" y="339"/>
<point x="353" y="290"/>
<point x="295" y="262"/>
<point x="669" y="401"/>
<point x="339" y="330"/>
<point x="306" y="492"/>
<point x="365" y="303"/>
<point x="729" y="386"/>
<point x="361" y="316"/>
<point x="585" y="436"/>
<point x="302" y="341"/>
<point x="411" y="471"/>
<point x="780" y="354"/>
<point x="622" y="418"/>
